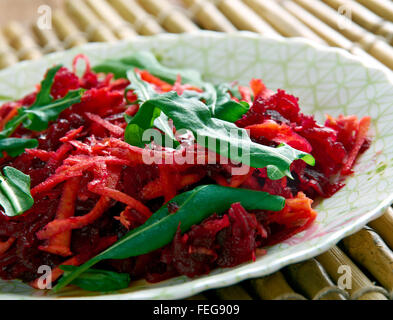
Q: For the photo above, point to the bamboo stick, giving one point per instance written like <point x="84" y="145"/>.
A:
<point x="47" y="39"/>
<point x="88" y="22"/>
<point x="331" y="36"/>
<point x="21" y="41"/>
<point x="384" y="226"/>
<point x="7" y="56"/>
<point x="368" y="41"/>
<point x="331" y="17"/>
<point x="310" y="277"/>
<point x="333" y="259"/>
<point x="281" y="20"/>
<point x="274" y="287"/>
<point x="364" y="17"/>
<point x="111" y="18"/>
<point x="368" y="249"/>
<point x="67" y="30"/>
<point x="168" y="16"/>
<point x="382" y="8"/>
<point x="243" y="17"/>
<point x="235" y="292"/>
<point x="383" y="52"/>
<point x="133" y="13"/>
<point x="208" y="16"/>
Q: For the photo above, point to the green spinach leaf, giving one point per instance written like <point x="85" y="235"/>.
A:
<point x="193" y="115"/>
<point x="192" y="208"/>
<point x="15" y="197"/>
<point x="217" y="98"/>
<point x="16" y="146"/>
<point x="226" y="108"/>
<point x="98" y="280"/>
<point x="145" y="92"/>
<point x="147" y="61"/>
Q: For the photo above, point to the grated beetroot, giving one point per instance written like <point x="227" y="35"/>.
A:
<point x="64" y="81"/>
<point x="331" y="145"/>
<point x="117" y="191"/>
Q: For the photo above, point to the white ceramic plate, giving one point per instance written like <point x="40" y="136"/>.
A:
<point x="326" y="80"/>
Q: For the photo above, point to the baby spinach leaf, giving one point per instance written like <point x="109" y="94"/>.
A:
<point x="15" y="197"/>
<point x="193" y="115"/>
<point x="208" y="96"/>
<point x="147" y="61"/>
<point x="226" y="108"/>
<point x="39" y="116"/>
<point x="16" y="146"/>
<point x="44" y="97"/>
<point x="219" y="101"/>
<point x="216" y="98"/>
<point x="128" y="118"/>
<point x="145" y="92"/>
<point x="98" y="280"/>
<point x="193" y="207"/>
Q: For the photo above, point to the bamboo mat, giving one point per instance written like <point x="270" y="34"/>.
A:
<point x="364" y="28"/>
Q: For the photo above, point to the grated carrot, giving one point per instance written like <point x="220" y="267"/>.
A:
<point x="60" y="244"/>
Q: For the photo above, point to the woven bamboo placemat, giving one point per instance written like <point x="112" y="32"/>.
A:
<point x="363" y="27"/>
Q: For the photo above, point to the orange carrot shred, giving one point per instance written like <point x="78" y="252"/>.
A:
<point x="71" y="135"/>
<point x="8" y="117"/>
<point x="61" y="225"/>
<point x="245" y="94"/>
<point x="168" y="182"/>
<point x="60" y="244"/>
<point x="77" y="260"/>
<point x="148" y="77"/>
<point x="364" y="125"/>
<point x="154" y="189"/>
<point x="54" y="180"/>
<point x="115" y="130"/>
<point x="121" y="197"/>
<point x="43" y="155"/>
<point x="4" y="246"/>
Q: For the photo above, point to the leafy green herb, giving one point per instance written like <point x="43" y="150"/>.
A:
<point x="193" y="115"/>
<point x="99" y="280"/>
<point x="145" y="92"/>
<point x="193" y="207"/>
<point x="147" y="61"/>
<point x="16" y="146"/>
<point x="38" y="116"/>
<point x="226" y="108"/>
<point x="234" y="90"/>
<point x="15" y="197"/>
<point x="128" y="118"/>
<point x="217" y="98"/>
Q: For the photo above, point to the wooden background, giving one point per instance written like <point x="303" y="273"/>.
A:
<point x="23" y="10"/>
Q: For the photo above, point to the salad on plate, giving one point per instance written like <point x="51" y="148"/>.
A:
<point x="133" y="170"/>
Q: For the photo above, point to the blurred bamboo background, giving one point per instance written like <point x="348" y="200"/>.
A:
<point x="363" y="27"/>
